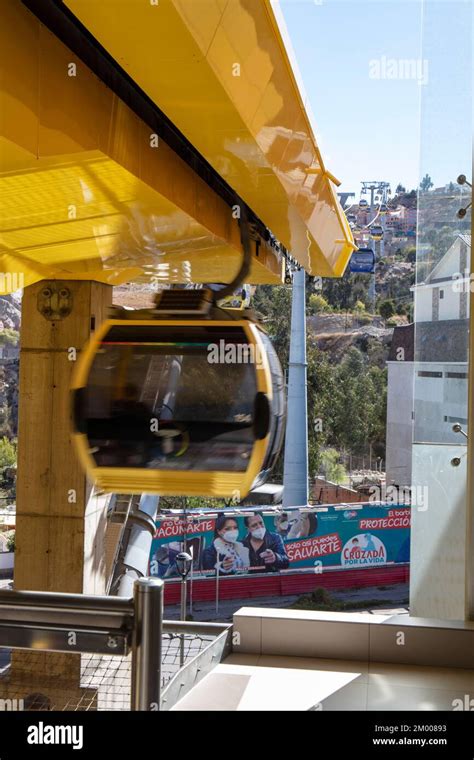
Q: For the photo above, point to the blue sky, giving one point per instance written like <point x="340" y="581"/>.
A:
<point x="369" y="128"/>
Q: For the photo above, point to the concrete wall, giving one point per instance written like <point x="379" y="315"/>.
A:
<point x="353" y="636"/>
<point x="449" y="302"/>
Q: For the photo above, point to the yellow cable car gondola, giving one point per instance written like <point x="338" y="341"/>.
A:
<point x="179" y="404"/>
<point x="183" y="399"/>
<point x="376" y="232"/>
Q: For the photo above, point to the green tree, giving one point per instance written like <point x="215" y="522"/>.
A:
<point x="7" y="452"/>
<point x="192" y="502"/>
<point x="346" y="398"/>
<point x="343" y="293"/>
<point x="386" y="309"/>
<point x="320" y="389"/>
<point x="318" y="304"/>
<point x="358" y="400"/>
<point x="9" y="337"/>
<point x="333" y="470"/>
<point x="426" y="183"/>
<point x="11" y="542"/>
<point x="400" y="188"/>
<point x="273" y="304"/>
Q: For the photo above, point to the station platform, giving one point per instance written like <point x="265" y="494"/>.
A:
<point x="265" y="682"/>
<point x="310" y="660"/>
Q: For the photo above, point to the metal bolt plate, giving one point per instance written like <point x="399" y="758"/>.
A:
<point x="54" y="301"/>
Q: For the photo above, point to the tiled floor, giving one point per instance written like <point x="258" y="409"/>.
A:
<point x="253" y="682"/>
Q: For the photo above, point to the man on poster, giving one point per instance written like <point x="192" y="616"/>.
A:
<point x="267" y="553"/>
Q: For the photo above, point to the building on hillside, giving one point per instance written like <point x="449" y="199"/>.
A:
<point x="441" y="355"/>
<point x="402" y="221"/>
<point x="427" y="367"/>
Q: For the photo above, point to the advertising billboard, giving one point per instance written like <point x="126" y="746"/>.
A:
<point x="244" y="542"/>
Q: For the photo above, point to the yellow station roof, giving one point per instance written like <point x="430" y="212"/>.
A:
<point x="221" y="71"/>
<point x="83" y="194"/>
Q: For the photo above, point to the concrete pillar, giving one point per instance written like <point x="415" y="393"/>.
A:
<point x="53" y="524"/>
<point x="60" y="530"/>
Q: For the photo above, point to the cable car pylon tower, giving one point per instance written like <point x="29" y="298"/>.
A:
<point x="379" y="195"/>
<point x="295" y="467"/>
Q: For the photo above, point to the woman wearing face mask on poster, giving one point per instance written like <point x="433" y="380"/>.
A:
<point x="267" y="551"/>
<point x="226" y="553"/>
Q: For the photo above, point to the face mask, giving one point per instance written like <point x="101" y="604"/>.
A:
<point x="284" y="525"/>
<point x="231" y="536"/>
<point x="258" y="533"/>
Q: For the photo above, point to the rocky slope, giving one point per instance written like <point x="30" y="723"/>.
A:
<point x="336" y="333"/>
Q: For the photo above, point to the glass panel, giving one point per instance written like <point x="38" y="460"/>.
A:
<point x="443" y="241"/>
<point x="441" y="314"/>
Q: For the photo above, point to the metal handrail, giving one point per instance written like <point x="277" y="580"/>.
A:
<point x="101" y="624"/>
<point x="43" y="620"/>
<point x="64" y="600"/>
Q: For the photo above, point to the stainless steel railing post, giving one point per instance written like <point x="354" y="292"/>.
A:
<point x="147" y="644"/>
